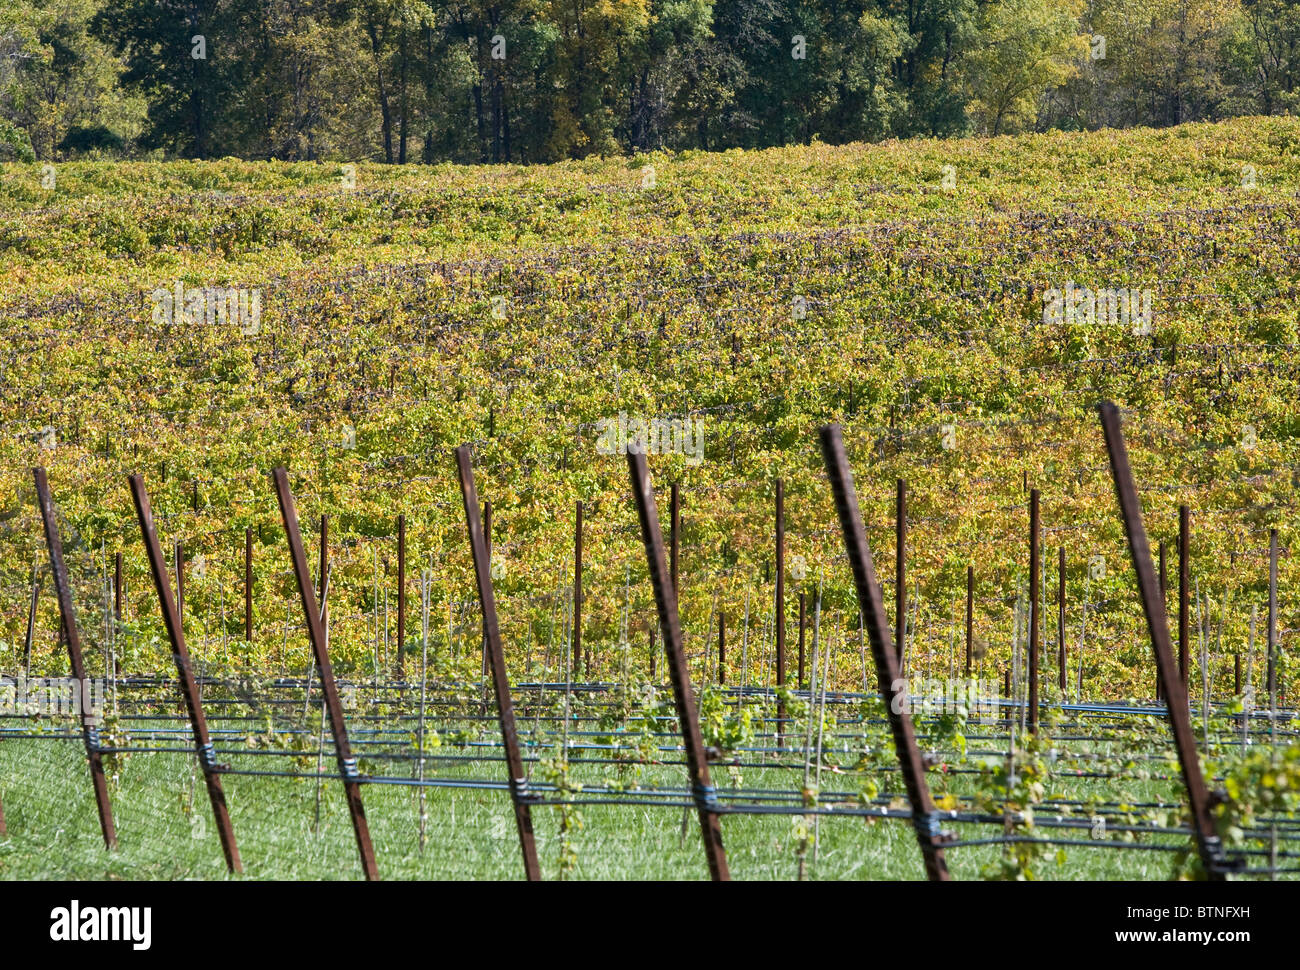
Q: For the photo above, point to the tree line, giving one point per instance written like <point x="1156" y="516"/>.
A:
<point x="407" y="81"/>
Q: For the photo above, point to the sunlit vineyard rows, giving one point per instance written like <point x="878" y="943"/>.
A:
<point x="897" y="290"/>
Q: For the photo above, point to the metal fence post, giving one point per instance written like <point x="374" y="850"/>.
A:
<point x="1060" y="622"/>
<point x="970" y="616"/>
<point x="577" y="588"/>
<point x="401" y="598"/>
<point x="316" y="631"/>
<point x="1184" y="590"/>
<point x="1175" y="690"/>
<point x="519" y="794"/>
<point x="189" y="690"/>
<point x="248" y="584"/>
<point x="1272" y="619"/>
<point x="924" y="818"/>
<point x="780" y="607"/>
<point x="666" y="603"/>
<point x="900" y="570"/>
<point x="1033" y="610"/>
<point x="68" y="623"/>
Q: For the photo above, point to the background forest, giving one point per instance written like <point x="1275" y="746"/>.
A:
<point x="406" y="81"/>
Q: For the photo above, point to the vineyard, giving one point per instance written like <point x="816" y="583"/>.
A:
<point x="384" y="518"/>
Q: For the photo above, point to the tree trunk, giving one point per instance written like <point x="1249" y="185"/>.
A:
<point x="401" y="138"/>
<point x="384" y="108"/>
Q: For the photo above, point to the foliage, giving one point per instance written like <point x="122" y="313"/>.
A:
<point x="406" y="81"/>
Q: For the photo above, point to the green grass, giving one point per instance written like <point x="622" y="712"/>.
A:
<point x="53" y="831"/>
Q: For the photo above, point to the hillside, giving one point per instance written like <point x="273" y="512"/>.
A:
<point x="895" y="288"/>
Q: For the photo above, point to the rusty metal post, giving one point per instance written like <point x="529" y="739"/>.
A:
<point x="487" y="545"/>
<point x="31" y="618"/>
<point x="322" y="576"/>
<point x="401" y="597"/>
<point x="180" y="580"/>
<point x="248" y="584"/>
<point x="519" y="794"/>
<point x="702" y="789"/>
<point x="1164" y="605"/>
<point x="722" y="648"/>
<point x="68" y="626"/>
<point x="924" y="818"/>
<point x="577" y="588"/>
<point x="1272" y="617"/>
<point x="970" y="616"/>
<point x="1060" y="623"/>
<point x="674" y="526"/>
<point x="1164" y="580"/>
<point x="189" y="689"/>
<point x="803" y="620"/>
<point x="1033" y="609"/>
<point x="780" y="605"/>
<point x="653" y="655"/>
<point x="316" y="631"/>
<point x="117" y="610"/>
<point x="900" y="569"/>
<point x="1184" y="590"/>
<point x="1208" y="843"/>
